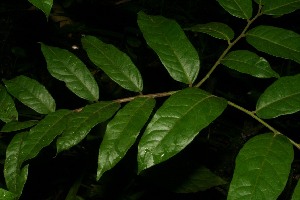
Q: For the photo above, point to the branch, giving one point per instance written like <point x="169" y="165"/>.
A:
<point x="230" y="45"/>
<point x="276" y="132"/>
<point x="156" y="95"/>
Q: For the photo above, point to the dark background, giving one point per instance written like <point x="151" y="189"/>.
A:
<point x="22" y="28"/>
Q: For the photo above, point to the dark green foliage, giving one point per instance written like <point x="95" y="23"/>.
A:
<point x="220" y="120"/>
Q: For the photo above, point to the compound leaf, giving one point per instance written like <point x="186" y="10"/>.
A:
<point x="214" y="29"/>
<point x="43" y="5"/>
<point x="8" y="111"/>
<point x="31" y="93"/>
<point x="248" y="62"/>
<point x="280" y="7"/>
<point x="80" y="123"/>
<point x="170" y="43"/>
<point x="116" y="64"/>
<point x="66" y="67"/>
<point x="122" y="131"/>
<point x="175" y="125"/>
<point x="296" y="194"/>
<point x="238" y="8"/>
<point x="275" y="41"/>
<point x="262" y="168"/>
<point x="16" y="126"/>
<point x="15" y="177"/>
<point x="7" y="195"/>
<point x="44" y="133"/>
<point x="280" y="98"/>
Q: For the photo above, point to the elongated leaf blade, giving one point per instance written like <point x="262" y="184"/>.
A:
<point x="280" y="7"/>
<point x="31" y="93"/>
<point x="116" y="64"/>
<point x="122" y="132"/>
<point x="280" y="98"/>
<point x="248" y="62"/>
<point x="238" y="8"/>
<point x="215" y="29"/>
<point x="66" y="67"/>
<point x="16" y="126"/>
<point x="175" y="125"/>
<point x="15" y="177"/>
<point x="72" y="194"/>
<point x="200" y="179"/>
<point x="7" y="195"/>
<point x="262" y="168"/>
<point x="275" y="41"/>
<point x="80" y="123"/>
<point x="43" y="5"/>
<point x="8" y="111"/>
<point x="170" y="43"/>
<point x="44" y="133"/>
<point x="296" y="193"/>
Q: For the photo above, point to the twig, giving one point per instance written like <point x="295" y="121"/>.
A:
<point x="230" y="45"/>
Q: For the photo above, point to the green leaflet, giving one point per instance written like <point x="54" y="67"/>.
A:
<point x="214" y="29"/>
<point x="248" y="62"/>
<point x="44" y="5"/>
<point x="175" y="125"/>
<point x="122" y="132"/>
<point x="296" y="194"/>
<point x="116" y="64"/>
<point x="183" y="179"/>
<point x="44" y="133"/>
<point x="200" y="179"/>
<point x="280" y="7"/>
<point x="66" y="67"/>
<point x="74" y="189"/>
<point x="280" y="98"/>
<point x="238" y="8"/>
<point x="16" y="126"/>
<point x="8" y="111"/>
<point x="31" y="93"/>
<point x="6" y="195"/>
<point x="275" y="41"/>
<point x="15" y="177"/>
<point x="170" y="43"/>
<point x="262" y="168"/>
<point x="80" y="123"/>
<point x="260" y="2"/>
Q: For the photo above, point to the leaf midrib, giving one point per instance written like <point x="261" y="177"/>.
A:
<point x="72" y="73"/>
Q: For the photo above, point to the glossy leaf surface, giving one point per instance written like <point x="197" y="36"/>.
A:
<point x="116" y="64"/>
<point x="238" y="8"/>
<point x="8" y="111"/>
<point x="170" y="43"/>
<point x="15" y="177"/>
<point x="6" y="195"/>
<point x="66" y="67"/>
<point x="31" y="93"/>
<point x="122" y="131"/>
<point x="80" y="123"/>
<point x="280" y="98"/>
<point x="280" y="7"/>
<point x="262" y="168"/>
<point x="16" y="126"/>
<point x="43" y="5"/>
<point x="296" y="194"/>
<point x="248" y="62"/>
<point x="175" y="125"/>
<point x="44" y="133"/>
<point x="214" y="29"/>
<point x="275" y="41"/>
